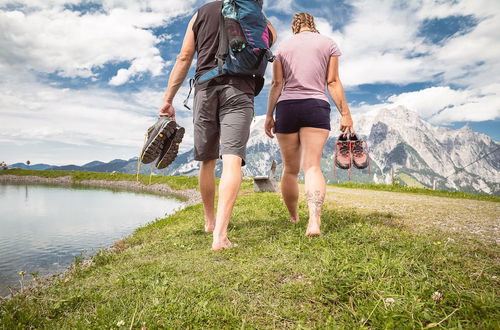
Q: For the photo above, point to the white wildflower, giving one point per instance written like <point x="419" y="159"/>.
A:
<point x="120" y="323"/>
<point x="437" y="296"/>
<point x="389" y="302"/>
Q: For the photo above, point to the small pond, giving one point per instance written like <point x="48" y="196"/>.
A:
<point x="43" y="228"/>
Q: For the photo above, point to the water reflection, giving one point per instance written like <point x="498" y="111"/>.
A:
<point x="42" y="228"/>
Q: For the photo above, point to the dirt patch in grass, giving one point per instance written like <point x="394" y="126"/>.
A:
<point x="479" y="220"/>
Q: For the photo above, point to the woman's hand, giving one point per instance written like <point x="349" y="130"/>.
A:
<point x="269" y="126"/>
<point x="346" y="125"/>
<point x="167" y="110"/>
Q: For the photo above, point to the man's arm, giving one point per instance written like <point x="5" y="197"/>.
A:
<point x="336" y="90"/>
<point x="179" y="71"/>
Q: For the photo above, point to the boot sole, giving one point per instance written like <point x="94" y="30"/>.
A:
<point x="171" y="154"/>
<point x="153" y="149"/>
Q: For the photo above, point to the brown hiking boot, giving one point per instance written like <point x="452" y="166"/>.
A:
<point x="359" y="152"/>
<point x="157" y="134"/>
<point x="343" y="153"/>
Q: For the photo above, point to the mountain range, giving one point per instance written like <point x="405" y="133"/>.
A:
<point x="403" y="148"/>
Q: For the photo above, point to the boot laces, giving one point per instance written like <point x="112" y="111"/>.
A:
<point x="344" y="148"/>
<point x="358" y="149"/>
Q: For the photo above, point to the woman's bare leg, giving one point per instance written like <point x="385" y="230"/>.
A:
<point x="290" y="153"/>
<point x="312" y="141"/>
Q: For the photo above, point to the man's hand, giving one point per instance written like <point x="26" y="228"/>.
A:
<point x="167" y="110"/>
<point x="269" y="126"/>
<point x="346" y="125"/>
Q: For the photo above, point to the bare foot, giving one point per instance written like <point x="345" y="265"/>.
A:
<point x="209" y="225"/>
<point x="313" y="229"/>
<point x="222" y="245"/>
<point x="295" y="219"/>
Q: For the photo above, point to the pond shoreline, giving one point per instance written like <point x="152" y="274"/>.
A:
<point x="191" y="196"/>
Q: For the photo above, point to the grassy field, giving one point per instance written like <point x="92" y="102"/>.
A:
<point x="185" y="182"/>
<point x="364" y="272"/>
<point x="175" y="182"/>
<point x="409" y="181"/>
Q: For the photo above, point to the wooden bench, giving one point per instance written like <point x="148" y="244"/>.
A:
<point x="266" y="183"/>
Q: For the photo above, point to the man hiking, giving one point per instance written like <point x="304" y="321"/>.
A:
<point x="222" y="114"/>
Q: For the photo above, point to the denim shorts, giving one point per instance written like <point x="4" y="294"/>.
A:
<point x="292" y="115"/>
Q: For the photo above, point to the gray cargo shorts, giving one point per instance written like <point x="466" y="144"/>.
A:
<point x="223" y="112"/>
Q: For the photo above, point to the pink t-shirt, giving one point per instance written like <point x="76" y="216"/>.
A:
<point x="304" y="58"/>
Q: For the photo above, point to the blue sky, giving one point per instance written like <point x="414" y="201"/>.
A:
<point x="82" y="80"/>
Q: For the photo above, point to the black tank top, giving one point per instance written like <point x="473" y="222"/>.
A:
<point x="206" y="32"/>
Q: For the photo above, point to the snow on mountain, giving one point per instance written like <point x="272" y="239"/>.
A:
<point x="399" y="141"/>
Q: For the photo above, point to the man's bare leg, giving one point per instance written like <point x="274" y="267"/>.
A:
<point x="290" y="153"/>
<point x="312" y="142"/>
<point x="206" y="181"/>
<point x="229" y="187"/>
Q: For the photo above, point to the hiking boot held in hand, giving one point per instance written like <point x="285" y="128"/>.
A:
<point x="170" y="148"/>
<point x="343" y="153"/>
<point x="359" y="152"/>
<point x="157" y="134"/>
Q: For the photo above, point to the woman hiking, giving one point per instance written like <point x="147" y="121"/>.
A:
<point x="306" y="66"/>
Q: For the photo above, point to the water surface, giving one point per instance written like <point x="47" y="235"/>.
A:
<point x="43" y="228"/>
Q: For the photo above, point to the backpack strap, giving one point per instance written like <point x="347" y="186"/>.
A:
<point x="220" y="56"/>
<point x="223" y="45"/>
<point x="191" y="86"/>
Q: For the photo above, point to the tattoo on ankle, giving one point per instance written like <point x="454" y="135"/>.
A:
<point x="315" y="201"/>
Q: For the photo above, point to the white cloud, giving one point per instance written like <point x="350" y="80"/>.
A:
<point x="33" y="113"/>
<point x="428" y="101"/>
<point x="444" y="105"/>
<point x="482" y="104"/>
<point x="283" y="6"/>
<point x="52" y="39"/>
<point x="153" y="64"/>
<point x="379" y="44"/>
<point x="382" y="44"/>
<point x="45" y="37"/>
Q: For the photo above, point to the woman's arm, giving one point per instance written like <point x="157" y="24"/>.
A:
<point x="336" y="90"/>
<point x="274" y="94"/>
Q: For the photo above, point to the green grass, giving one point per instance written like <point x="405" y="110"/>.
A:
<point x="185" y="182"/>
<point x="415" y="190"/>
<point x="175" y="182"/>
<point x="164" y="276"/>
<point x="409" y="181"/>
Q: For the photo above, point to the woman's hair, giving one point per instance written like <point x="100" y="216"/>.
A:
<point x="301" y="20"/>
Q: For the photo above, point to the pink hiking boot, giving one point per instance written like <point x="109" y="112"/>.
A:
<point x="343" y="157"/>
<point x="359" y="151"/>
